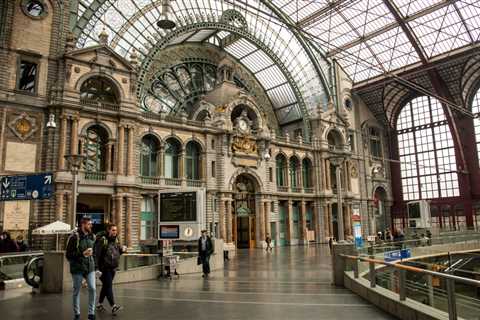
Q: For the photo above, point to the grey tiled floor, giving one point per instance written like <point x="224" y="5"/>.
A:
<point x="290" y="283"/>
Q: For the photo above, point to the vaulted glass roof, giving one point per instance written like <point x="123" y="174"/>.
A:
<point x="288" y="45"/>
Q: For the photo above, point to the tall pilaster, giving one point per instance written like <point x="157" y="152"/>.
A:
<point x="62" y="143"/>
<point x="289" y="221"/>
<point x="59" y="199"/>
<point x="267" y="218"/>
<point x="118" y="215"/>
<point x="303" y="221"/>
<point x="229" y="220"/>
<point x="130" y="151"/>
<point x="221" y="218"/>
<point x="74" y="139"/>
<point x="120" y="150"/>
<point x="128" y="222"/>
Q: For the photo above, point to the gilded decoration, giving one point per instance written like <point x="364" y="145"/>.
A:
<point x="353" y="171"/>
<point x="244" y="144"/>
<point x="23" y="126"/>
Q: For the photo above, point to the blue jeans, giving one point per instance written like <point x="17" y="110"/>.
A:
<point x="77" y="285"/>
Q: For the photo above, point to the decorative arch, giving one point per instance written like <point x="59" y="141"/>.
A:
<point x="83" y="131"/>
<point x="337" y="135"/>
<point x="150" y="133"/>
<point x="259" y="188"/>
<point x="85" y="77"/>
<point x="202" y="145"/>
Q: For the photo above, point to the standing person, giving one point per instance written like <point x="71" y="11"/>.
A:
<point x="205" y="250"/>
<point x="268" y="240"/>
<point x="80" y="255"/>
<point x="107" y="255"/>
<point x="8" y="245"/>
<point x="22" y="246"/>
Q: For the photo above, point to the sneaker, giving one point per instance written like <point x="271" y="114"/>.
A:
<point x="116" y="308"/>
<point x="91" y="317"/>
<point x="101" y="308"/>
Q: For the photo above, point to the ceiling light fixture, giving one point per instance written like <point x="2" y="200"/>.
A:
<point x="164" y="22"/>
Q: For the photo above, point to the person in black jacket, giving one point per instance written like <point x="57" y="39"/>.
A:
<point x="107" y="255"/>
<point x="205" y="250"/>
<point x="80" y="254"/>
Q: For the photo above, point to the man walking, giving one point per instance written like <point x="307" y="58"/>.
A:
<point x="107" y="255"/>
<point x="82" y="265"/>
<point x="205" y="249"/>
<point x="268" y="240"/>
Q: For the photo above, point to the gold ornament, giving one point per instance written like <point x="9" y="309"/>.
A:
<point x="244" y="144"/>
<point x="23" y="126"/>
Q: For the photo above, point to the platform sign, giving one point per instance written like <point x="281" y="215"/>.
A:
<point x="28" y="187"/>
<point x="390" y="256"/>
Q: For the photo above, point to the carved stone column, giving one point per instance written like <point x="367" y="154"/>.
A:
<point x="267" y="219"/>
<point x="229" y="221"/>
<point x="327" y="175"/>
<point x="59" y="199"/>
<point x="221" y="218"/>
<point x="108" y="157"/>
<point x="161" y="160"/>
<point x="181" y="166"/>
<point x="74" y="140"/>
<point x="63" y="143"/>
<point x="118" y="215"/>
<point x="261" y="224"/>
<point x="128" y="222"/>
<point x="289" y="221"/>
<point x="120" y="149"/>
<point x="300" y="176"/>
<point x="70" y="218"/>
<point x="303" y="221"/>
<point x="130" y="164"/>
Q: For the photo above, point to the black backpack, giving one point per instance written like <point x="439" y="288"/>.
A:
<point x="111" y="253"/>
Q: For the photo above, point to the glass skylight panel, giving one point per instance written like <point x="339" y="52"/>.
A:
<point x="282" y="95"/>
<point x="470" y="10"/>
<point x="257" y="61"/>
<point x="271" y="77"/>
<point x="410" y="7"/>
<point x="240" y="48"/>
<point x="288" y="114"/>
<point x="223" y="34"/>
<point x="201" y="35"/>
<point x="182" y="38"/>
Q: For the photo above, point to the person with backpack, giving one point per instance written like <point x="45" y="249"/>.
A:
<point x="205" y="250"/>
<point x="107" y="255"/>
<point x="80" y="255"/>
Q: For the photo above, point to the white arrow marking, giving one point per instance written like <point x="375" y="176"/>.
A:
<point x="48" y="180"/>
<point x="6" y="184"/>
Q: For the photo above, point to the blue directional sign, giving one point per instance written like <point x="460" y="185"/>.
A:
<point x="390" y="256"/>
<point x="31" y="187"/>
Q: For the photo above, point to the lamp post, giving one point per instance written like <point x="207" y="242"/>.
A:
<point x="337" y="162"/>
<point x="75" y="161"/>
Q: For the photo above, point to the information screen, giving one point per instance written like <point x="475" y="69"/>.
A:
<point x="414" y="210"/>
<point x="169" y="232"/>
<point x="178" y="207"/>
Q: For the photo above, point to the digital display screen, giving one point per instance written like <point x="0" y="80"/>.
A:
<point x="414" y="210"/>
<point x="178" y="207"/>
<point x="169" y="232"/>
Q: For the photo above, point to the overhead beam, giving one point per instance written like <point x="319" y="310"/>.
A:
<point x="315" y="16"/>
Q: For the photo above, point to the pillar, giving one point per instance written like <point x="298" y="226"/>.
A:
<point x="128" y="222"/>
<point x="229" y="221"/>
<point x="341" y="229"/>
<point x="59" y="197"/>
<point x="118" y="215"/>
<point x="303" y="221"/>
<point x="70" y="219"/>
<point x="130" y="164"/>
<point x="267" y="219"/>
<point x="108" y="158"/>
<point x="221" y="218"/>
<point x="319" y="223"/>
<point x="327" y="220"/>
<point x="261" y="223"/>
<point x="300" y="176"/>
<point x="121" y="142"/>
<point x="327" y="175"/>
<point x="161" y="160"/>
<point x="348" y="221"/>
<point x="289" y="221"/>
<point x="63" y="143"/>
<point x="74" y="140"/>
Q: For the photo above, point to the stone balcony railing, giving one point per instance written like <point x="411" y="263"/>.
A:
<point x="308" y="190"/>
<point x="282" y="188"/>
<point x="95" y="176"/>
<point x="173" y="182"/>
<point x="194" y="183"/>
<point x="99" y="104"/>
<point x="296" y="189"/>
<point x="150" y="180"/>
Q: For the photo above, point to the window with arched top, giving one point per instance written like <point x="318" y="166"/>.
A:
<point x="172" y="157"/>
<point x="427" y="155"/>
<point x="95" y="148"/>
<point x="375" y="142"/>
<point x="307" y="173"/>
<point x="99" y="89"/>
<point x="293" y="170"/>
<point x="192" y="160"/>
<point x="476" y="120"/>
<point x="281" y="169"/>
<point x="149" y="156"/>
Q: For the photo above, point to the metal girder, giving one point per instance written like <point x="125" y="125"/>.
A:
<point x="312" y="18"/>
<point x="391" y="26"/>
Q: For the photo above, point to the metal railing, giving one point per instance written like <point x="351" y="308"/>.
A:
<point x="416" y="287"/>
<point x="12" y="264"/>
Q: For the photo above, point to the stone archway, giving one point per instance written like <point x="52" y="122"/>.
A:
<point x="380" y="220"/>
<point x="245" y="189"/>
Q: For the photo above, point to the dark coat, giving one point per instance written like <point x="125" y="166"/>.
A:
<point x="209" y="246"/>
<point x="102" y="244"/>
<point x="77" y="243"/>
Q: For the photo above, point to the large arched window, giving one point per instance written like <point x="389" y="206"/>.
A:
<point x="95" y="148"/>
<point x="476" y="120"/>
<point x="99" y="89"/>
<point x="281" y="168"/>
<point x="149" y="157"/>
<point x="172" y="156"/>
<point x="192" y="160"/>
<point x="293" y="166"/>
<point x="427" y="155"/>
<point x="307" y="173"/>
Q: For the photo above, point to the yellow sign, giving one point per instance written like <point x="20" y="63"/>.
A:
<point x="16" y="215"/>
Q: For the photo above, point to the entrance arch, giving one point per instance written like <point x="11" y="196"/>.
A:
<point x="245" y="189"/>
<point x="380" y="209"/>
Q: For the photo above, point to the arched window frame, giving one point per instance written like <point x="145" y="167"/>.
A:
<point x="98" y="88"/>
<point x="149" y="157"/>
<point x="95" y="148"/>
<point x="307" y="177"/>
<point x="293" y="166"/>
<point x="475" y="106"/>
<point x="427" y="155"/>
<point x="172" y="158"/>
<point x="376" y="149"/>
<point x="192" y="160"/>
<point x="281" y="167"/>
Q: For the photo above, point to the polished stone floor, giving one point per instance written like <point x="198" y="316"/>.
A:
<point x="290" y="283"/>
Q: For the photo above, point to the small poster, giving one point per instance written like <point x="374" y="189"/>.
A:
<point x="16" y="215"/>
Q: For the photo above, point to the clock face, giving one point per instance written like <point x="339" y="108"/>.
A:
<point x="242" y="125"/>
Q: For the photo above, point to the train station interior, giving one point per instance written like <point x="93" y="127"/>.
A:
<point x="328" y="150"/>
